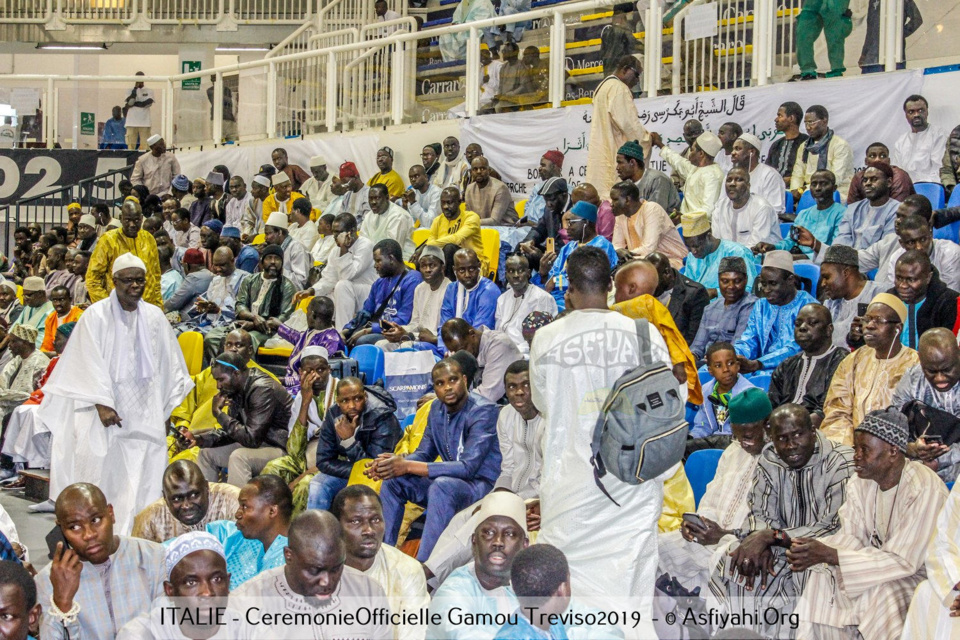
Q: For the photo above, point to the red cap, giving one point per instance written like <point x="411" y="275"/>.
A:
<point x="348" y="170"/>
<point x="192" y="256"/>
<point x="555" y="157"/>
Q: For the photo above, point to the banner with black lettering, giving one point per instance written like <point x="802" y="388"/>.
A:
<point x="25" y="173"/>
<point x="862" y="110"/>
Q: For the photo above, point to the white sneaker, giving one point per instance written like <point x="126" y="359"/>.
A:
<point x="47" y="506"/>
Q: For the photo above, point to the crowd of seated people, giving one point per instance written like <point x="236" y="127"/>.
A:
<point x="820" y="365"/>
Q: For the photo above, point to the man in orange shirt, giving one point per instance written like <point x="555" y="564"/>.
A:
<point x="64" y="312"/>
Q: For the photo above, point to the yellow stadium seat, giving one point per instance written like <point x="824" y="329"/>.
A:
<point x="191" y="344"/>
<point x="20" y="294"/>
<point x="420" y="236"/>
<point x="491" y="247"/>
<point x="280" y="352"/>
<point x="521" y="208"/>
<point x="260" y="238"/>
<point x="304" y="303"/>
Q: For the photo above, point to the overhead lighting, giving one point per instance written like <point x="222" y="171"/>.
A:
<point x="72" y="47"/>
<point x="242" y="49"/>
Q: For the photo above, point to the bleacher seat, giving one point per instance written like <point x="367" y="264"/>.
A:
<point x="191" y="344"/>
<point x="933" y="191"/>
<point x="704" y="376"/>
<point x="870" y="274"/>
<point x="807" y="201"/>
<point x="785" y="229"/>
<point x="789" y="202"/>
<point x="258" y="239"/>
<point x="809" y="271"/>
<point x="700" y="468"/>
<point x="491" y="247"/>
<point x="954" y="200"/>
<point x="761" y="380"/>
<point x="691" y="413"/>
<point x="950" y="485"/>
<point x="420" y="236"/>
<point x="521" y="208"/>
<point x="407" y="421"/>
<point x="370" y="362"/>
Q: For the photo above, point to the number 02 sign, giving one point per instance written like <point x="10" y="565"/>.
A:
<point x="25" y="173"/>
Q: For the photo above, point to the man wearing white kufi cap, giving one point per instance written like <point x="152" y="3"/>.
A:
<point x="765" y="181"/>
<point x="157" y="169"/>
<point x="704" y="178"/>
<point x="483" y="585"/>
<point x="195" y="566"/>
<point x="108" y="400"/>
<point x="282" y="198"/>
<point x="317" y="186"/>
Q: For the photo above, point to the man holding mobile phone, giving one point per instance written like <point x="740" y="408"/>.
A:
<point x="685" y="555"/>
<point x="934" y="383"/>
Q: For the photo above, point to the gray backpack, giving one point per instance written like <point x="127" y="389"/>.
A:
<point x="642" y="429"/>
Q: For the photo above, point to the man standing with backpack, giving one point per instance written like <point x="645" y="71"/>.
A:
<point x="574" y="363"/>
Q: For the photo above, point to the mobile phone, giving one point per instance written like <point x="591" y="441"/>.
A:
<point x="862" y="308"/>
<point x="694" y="519"/>
<point x="55" y="536"/>
<point x="933" y="438"/>
<point x="794" y="233"/>
<point x="550" y="245"/>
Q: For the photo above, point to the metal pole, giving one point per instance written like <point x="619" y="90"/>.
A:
<point x="473" y="73"/>
<point x="272" y="100"/>
<point x="558" y="55"/>
<point x="331" y="95"/>
<point x="218" y="109"/>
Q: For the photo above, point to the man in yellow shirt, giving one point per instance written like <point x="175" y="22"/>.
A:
<point x="456" y="229"/>
<point x="282" y="198"/>
<point x="129" y="238"/>
<point x="387" y="176"/>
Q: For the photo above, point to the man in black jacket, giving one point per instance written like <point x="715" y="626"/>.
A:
<point x="687" y="300"/>
<point x="362" y="424"/>
<point x="930" y="303"/>
<point x="254" y="432"/>
<point x="804" y="378"/>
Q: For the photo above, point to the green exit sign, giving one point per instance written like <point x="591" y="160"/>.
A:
<point x="88" y="123"/>
<point x="189" y="66"/>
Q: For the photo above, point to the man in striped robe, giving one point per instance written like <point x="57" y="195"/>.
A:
<point x="797" y="491"/>
<point x="862" y="578"/>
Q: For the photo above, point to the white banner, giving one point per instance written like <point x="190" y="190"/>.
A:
<point x="863" y="110"/>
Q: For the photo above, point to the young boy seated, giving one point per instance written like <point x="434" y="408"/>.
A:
<point x="320" y="333"/>
<point x="712" y="424"/>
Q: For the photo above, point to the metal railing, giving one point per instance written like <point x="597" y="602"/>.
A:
<point x="323" y="78"/>
<point x="55" y="15"/>
<point x="49" y="209"/>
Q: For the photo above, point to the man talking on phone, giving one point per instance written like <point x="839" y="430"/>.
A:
<point x="348" y="275"/>
<point x="97" y="581"/>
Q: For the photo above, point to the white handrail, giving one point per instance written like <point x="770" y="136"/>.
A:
<point x="728" y="62"/>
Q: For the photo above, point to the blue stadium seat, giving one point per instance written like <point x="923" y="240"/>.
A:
<point x="809" y="271"/>
<point x="933" y="191"/>
<point x="370" y="362"/>
<point x="691" y="413"/>
<point x="950" y="485"/>
<point x="807" y="201"/>
<point x="871" y="274"/>
<point x="954" y="200"/>
<point x="705" y="376"/>
<point x="700" y="468"/>
<point x="789" y="202"/>
<point x="785" y="229"/>
<point x="407" y="421"/>
<point x="761" y="380"/>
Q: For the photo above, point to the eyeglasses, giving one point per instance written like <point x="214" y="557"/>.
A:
<point x="872" y="320"/>
<point x="129" y="281"/>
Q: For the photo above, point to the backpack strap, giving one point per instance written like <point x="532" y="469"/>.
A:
<point x="643" y="341"/>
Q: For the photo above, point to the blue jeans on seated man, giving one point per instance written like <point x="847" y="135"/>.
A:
<point x="323" y="489"/>
<point x="370" y="338"/>
<point x="442" y="497"/>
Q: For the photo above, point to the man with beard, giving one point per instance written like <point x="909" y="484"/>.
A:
<point x="188" y="504"/>
<point x="652" y="185"/>
<point x="360" y="514"/>
<point x="312" y="581"/>
<point x="483" y="586"/>
<point x="453" y="168"/>
<point x="256" y="539"/>
<point x="798" y="487"/>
